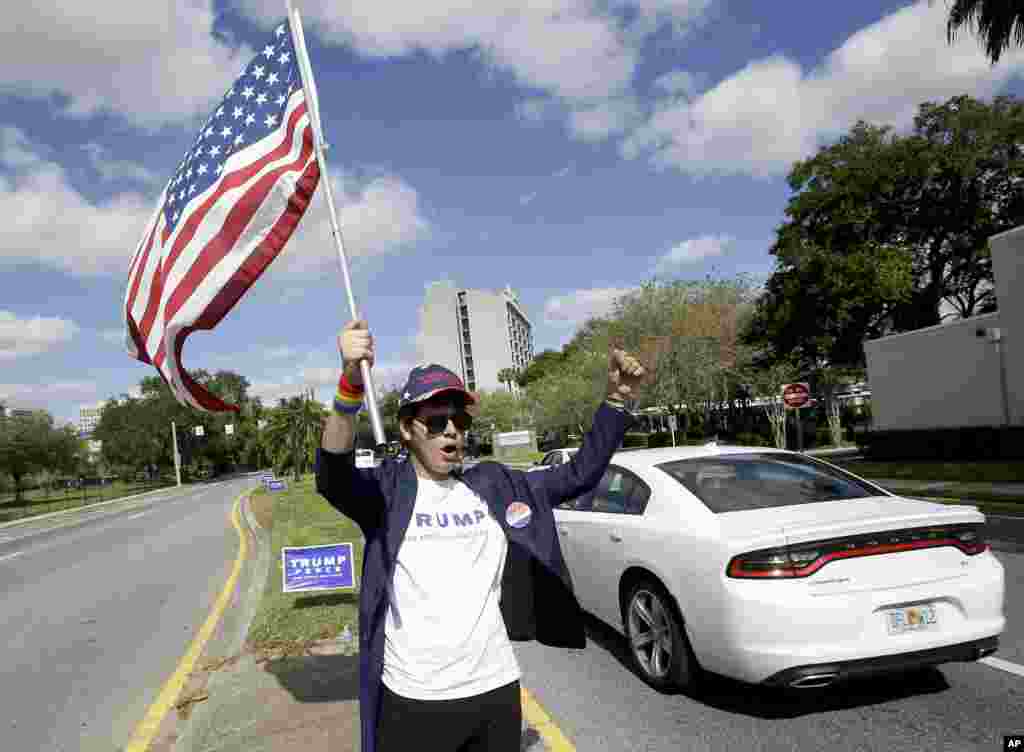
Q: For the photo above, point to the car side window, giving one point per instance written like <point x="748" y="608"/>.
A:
<point x="581" y="503"/>
<point x="613" y="491"/>
<point x="637" y="501"/>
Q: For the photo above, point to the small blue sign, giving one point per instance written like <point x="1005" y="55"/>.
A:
<point x="277" y="485"/>
<point x="328" y="567"/>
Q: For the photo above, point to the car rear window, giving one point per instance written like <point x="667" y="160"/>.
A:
<point x="735" y="482"/>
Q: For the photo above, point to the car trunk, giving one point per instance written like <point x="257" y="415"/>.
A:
<point x="853" y="523"/>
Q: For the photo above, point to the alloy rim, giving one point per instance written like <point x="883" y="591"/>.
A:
<point x="649" y="634"/>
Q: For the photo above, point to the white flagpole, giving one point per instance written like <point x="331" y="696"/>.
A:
<point x="313" y="105"/>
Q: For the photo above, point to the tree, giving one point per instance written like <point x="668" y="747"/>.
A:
<point x="542" y="364"/>
<point x="994" y="21"/>
<point x="507" y="376"/>
<point x="293" y="433"/>
<point x="882" y="229"/>
<point x="30" y="444"/>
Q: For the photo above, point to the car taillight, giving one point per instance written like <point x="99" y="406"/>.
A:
<point x="803" y="560"/>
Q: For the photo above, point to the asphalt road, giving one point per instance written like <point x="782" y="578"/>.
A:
<point x="97" y="607"/>
<point x="600" y="705"/>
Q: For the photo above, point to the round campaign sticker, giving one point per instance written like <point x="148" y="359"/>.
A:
<point x="518" y="514"/>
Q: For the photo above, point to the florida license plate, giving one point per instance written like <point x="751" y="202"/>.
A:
<point x="911" y="619"/>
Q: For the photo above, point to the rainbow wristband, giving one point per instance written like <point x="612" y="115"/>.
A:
<point x="348" y="400"/>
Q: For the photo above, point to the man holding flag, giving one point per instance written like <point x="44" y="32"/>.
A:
<point x="455" y="564"/>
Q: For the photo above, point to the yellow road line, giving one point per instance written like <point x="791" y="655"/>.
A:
<point x="554" y="739"/>
<point x="143" y="735"/>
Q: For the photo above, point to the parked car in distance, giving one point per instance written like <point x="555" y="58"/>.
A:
<point x="776" y="568"/>
<point x="554" y="458"/>
<point x="365" y="458"/>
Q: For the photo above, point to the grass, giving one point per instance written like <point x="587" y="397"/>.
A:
<point x="991" y="471"/>
<point x="287" y="622"/>
<point x="44" y="501"/>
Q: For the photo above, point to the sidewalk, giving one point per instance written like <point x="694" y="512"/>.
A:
<point x="307" y="703"/>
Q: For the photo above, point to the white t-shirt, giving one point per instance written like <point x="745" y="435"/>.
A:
<point x="444" y="636"/>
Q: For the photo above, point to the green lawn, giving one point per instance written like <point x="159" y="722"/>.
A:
<point x="963" y="472"/>
<point x="301" y="517"/>
<point x="43" y="501"/>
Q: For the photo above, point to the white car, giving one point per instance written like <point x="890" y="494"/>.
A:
<point x="554" y="458"/>
<point x="773" y="567"/>
<point x="365" y="458"/>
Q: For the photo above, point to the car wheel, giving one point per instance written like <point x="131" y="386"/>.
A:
<point x="658" y="646"/>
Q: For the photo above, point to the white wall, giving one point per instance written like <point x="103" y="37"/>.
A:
<point x="438" y="336"/>
<point x="489" y="336"/>
<point x="948" y="376"/>
<point x="1008" y="269"/>
<point x="941" y="376"/>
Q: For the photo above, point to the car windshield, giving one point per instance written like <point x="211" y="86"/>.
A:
<point x="736" y="482"/>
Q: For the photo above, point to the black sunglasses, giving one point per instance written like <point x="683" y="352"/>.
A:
<point x="437" y="423"/>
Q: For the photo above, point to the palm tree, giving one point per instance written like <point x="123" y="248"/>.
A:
<point x="293" y="432"/>
<point x="506" y="376"/>
<point x="995" y="22"/>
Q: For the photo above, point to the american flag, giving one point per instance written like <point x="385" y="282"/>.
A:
<point x="229" y="209"/>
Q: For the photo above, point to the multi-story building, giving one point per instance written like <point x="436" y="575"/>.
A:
<point x="475" y="333"/>
<point x="89" y="418"/>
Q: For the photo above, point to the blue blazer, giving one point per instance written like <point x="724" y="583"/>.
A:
<point x="537" y="600"/>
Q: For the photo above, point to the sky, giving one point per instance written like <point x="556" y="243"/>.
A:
<point x="572" y="149"/>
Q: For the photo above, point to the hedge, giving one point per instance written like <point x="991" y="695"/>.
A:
<point x="974" y="443"/>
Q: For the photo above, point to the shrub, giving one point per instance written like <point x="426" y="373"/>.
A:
<point x="635" y="441"/>
<point x="976" y="442"/>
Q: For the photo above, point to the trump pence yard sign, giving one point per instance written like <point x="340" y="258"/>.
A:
<point x="327" y="567"/>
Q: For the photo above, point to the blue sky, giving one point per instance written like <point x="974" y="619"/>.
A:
<point x="570" y="148"/>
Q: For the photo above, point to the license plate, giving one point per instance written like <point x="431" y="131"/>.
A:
<point x="911" y="619"/>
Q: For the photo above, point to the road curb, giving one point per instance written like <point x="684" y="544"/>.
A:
<point x="97" y="505"/>
<point x="189" y="733"/>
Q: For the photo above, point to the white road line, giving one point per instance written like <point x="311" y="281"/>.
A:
<point x="999" y="663"/>
<point x="11" y="556"/>
<point x="136" y="516"/>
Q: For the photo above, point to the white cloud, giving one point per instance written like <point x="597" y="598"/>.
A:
<point x="113" y="336"/>
<point x="579" y="51"/>
<point x="576" y="307"/>
<point x="23" y="337"/>
<point x="279" y="353"/>
<point x="773" y="112"/>
<point x="51" y="223"/>
<point x="693" y="250"/>
<point x="596" y="122"/>
<point x="324" y="380"/>
<point x="527" y="198"/>
<point x="48" y="221"/>
<point x="42" y="395"/>
<point x="680" y="82"/>
<point x="153" y="62"/>
<point x="111" y="168"/>
<point x="378" y="215"/>
<point x="563" y="172"/>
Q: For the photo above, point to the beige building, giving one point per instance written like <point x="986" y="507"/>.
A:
<point x="475" y="333"/>
<point x="967" y="372"/>
<point x="89" y="418"/>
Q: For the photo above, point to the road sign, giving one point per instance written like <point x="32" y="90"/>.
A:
<point x="200" y="431"/>
<point x="317" y="567"/>
<point x="796" y="395"/>
<point x="672" y="424"/>
<point x="229" y="429"/>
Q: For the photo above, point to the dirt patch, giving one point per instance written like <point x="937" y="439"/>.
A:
<point x="262" y="506"/>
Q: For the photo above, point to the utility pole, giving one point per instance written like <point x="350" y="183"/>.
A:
<point x="177" y="457"/>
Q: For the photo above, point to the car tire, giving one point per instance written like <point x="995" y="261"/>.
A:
<point x="658" y="647"/>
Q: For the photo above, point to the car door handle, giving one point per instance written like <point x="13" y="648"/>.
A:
<point x="614" y="538"/>
<point x="562" y="531"/>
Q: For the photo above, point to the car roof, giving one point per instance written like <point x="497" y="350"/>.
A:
<point x="648" y="458"/>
